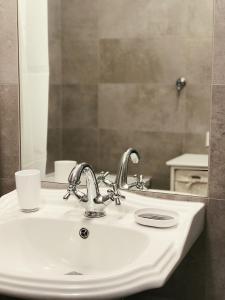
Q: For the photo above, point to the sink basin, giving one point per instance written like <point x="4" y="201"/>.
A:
<point x="58" y="253"/>
<point x="54" y="247"/>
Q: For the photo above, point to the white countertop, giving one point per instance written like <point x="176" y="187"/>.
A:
<point x="189" y="160"/>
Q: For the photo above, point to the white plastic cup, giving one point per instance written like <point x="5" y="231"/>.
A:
<point x="28" y="186"/>
<point x="63" y="169"/>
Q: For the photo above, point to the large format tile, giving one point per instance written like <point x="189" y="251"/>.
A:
<point x="112" y="144"/>
<point x="55" y="19"/>
<point x="219" y="59"/>
<point x="79" y="106"/>
<point x="145" y="19"/>
<point x="55" y="61"/>
<point x="124" y="19"/>
<point x="6" y="185"/>
<point x="141" y="107"/>
<point x="215" y="266"/>
<point x="142" y="60"/>
<point x="9" y="165"/>
<point x="80" y="61"/>
<point x="54" y="148"/>
<point x="198" y="107"/>
<point x="219" y="14"/>
<point x="200" y="18"/>
<point x="9" y="120"/>
<point x="79" y="19"/>
<point x="81" y="145"/>
<point x="195" y="143"/>
<point x="55" y="36"/>
<point x="217" y="145"/>
<point x="55" y="106"/>
<point x="9" y="42"/>
<point x="199" y="60"/>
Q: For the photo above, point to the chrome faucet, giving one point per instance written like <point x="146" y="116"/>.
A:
<point x="93" y="202"/>
<point x="121" y="178"/>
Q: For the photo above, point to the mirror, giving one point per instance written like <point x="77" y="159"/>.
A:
<point x="100" y="76"/>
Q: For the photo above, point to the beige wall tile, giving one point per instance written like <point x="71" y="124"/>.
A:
<point x="217" y="144"/>
<point x="6" y="186"/>
<point x="55" y="106"/>
<point x="143" y="107"/>
<point x="219" y="59"/>
<point x="123" y="19"/>
<point x="159" y="60"/>
<point x="79" y="18"/>
<point x="198" y="108"/>
<point x="80" y="62"/>
<point x="146" y="19"/>
<point x="54" y="148"/>
<point x="80" y="144"/>
<point x="55" y="61"/>
<point x="79" y="106"/>
<point x="199" y="61"/>
<point x="9" y="96"/>
<point x="219" y="13"/>
<point x="9" y="121"/>
<point x="55" y="19"/>
<point x="9" y="165"/>
<point x="195" y="143"/>
<point x="8" y="44"/>
<point x="215" y="246"/>
<point x="200" y="18"/>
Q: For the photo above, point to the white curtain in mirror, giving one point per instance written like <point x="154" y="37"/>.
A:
<point x="34" y="82"/>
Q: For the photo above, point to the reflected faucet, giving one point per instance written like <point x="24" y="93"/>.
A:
<point x="93" y="202"/>
<point x="121" y="178"/>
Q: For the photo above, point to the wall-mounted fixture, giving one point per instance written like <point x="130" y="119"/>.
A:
<point x="180" y="83"/>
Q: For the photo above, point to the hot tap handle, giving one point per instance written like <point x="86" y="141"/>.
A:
<point x="69" y="192"/>
<point x="140" y="184"/>
<point x="115" y="194"/>
<point x="102" y="178"/>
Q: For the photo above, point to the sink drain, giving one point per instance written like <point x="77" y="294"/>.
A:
<point x="84" y="233"/>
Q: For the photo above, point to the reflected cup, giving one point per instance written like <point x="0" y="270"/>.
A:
<point x="63" y="169"/>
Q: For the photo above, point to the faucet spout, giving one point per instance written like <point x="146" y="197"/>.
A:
<point x="92" y="185"/>
<point x="121" y="178"/>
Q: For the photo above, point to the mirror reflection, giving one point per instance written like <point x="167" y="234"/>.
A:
<point x="98" y="77"/>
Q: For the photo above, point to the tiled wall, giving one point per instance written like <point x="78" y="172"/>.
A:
<point x="9" y="95"/>
<point x="201" y="275"/>
<point x="120" y="62"/>
<point x="216" y="210"/>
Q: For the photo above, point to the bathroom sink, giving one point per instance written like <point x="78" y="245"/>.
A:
<point x="58" y="253"/>
<point x="55" y="247"/>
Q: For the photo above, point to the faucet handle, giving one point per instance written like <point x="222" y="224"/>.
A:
<point x="72" y="190"/>
<point x="115" y="194"/>
<point x="102" y="178"/>
<point x="140" y="184"/>
<point x="69" y="192"/>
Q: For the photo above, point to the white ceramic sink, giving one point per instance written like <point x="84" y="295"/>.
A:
<point x="119" y="257"/>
